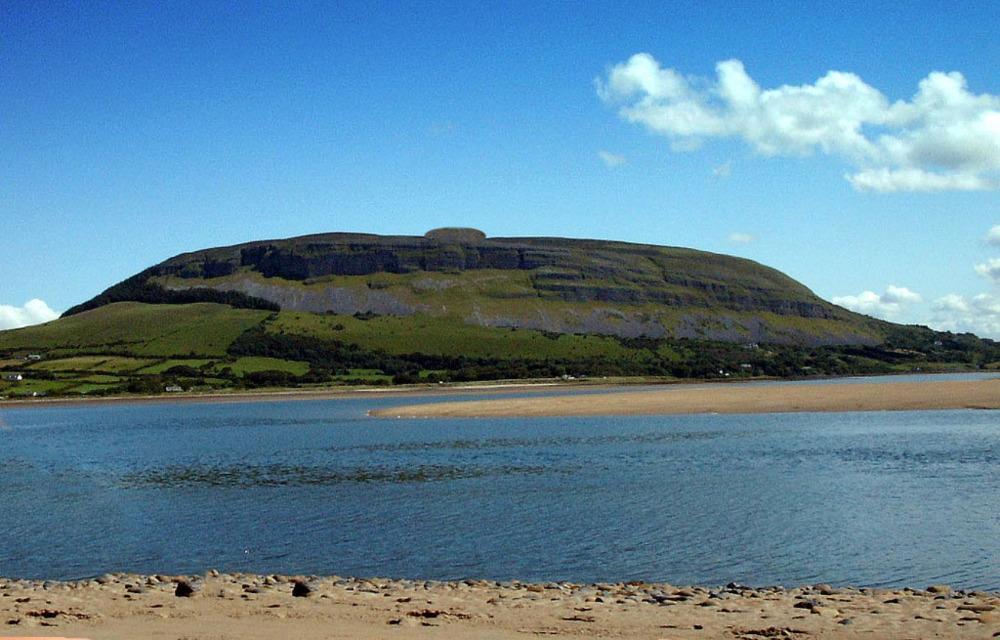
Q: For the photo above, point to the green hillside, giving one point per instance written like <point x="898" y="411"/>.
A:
<point x="138" y="329"/>
<point x="133" y="347"/>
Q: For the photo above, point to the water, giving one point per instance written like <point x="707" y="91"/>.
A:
<point x="877" y="499"/>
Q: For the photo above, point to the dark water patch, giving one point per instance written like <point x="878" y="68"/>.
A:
<point x="655" y="437"/>
<point x="278" y="475"/>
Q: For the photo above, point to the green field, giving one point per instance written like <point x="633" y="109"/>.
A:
<point x="445" y="336"/>
<point x="369" y="376"/>
<point x="163" y="365"/>
<point x="28" y="387"/>
<point x="135" y="329"/>
<point x="243" y="366"/>
<point x="105" y="364"/>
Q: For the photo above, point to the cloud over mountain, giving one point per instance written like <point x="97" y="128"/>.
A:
<point x="886" y="305"/>
<point x="979" y="314"/>
<point x="944" y="138"/>
<point x="34" y="311"/>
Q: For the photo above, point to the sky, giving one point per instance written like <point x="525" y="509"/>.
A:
<point x="854" y="146"/>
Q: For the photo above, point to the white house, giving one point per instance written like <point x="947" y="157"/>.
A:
<point x="13" y="377"/>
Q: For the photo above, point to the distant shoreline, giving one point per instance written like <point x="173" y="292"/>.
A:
<point x="334" y="393"/>
<point x="499" y="387"/>
<point x="862" y="396"/>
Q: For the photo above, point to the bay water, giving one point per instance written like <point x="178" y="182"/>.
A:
<point x="318" y="487"/>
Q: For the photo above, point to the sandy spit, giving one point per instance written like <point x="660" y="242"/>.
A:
<point x="735" y="398"/>
<point x="225" y="606"/>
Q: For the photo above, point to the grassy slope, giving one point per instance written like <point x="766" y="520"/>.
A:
<point x="91" y="351"/>
<point x="96" y="351"/>
<point x="104" y="349"/>
<point x="139" y="330"/>
<point x="255" y="364"/>
<point x="443" y="336"/>
<point x="97" y="364"/>
<point x="503" y="297"/>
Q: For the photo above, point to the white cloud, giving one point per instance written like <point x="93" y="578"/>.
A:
<point x="944" y="138"/>
<point x="891" y="180"/>
<point x="887" y="305"/>
<point x="990" y="269"/>
<point x="952" y="303"/>
<point x="33" y="312"/>
<point x="979" y="315"/>
<point x="723" y="170"/>
<point x="993" y="236"/>
<point x="741" y="238"/>
<point x="611" y="160"/>
<point x="900" y="295"/>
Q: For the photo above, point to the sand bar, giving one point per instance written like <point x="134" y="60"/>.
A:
<point x="727" y="398"/>
<point x="225" y="606"/>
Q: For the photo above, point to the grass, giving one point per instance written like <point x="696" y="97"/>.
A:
<point x="163" y="365"/>
<point x="239" y="367"/>
<point x="27" y="387"/>
<point x="85" y="389"/>
<point x="100" y="379"/>
<point x="371" y="376"/>
<point x="82" y="385"/>
<point x="243" y="366"/>
<point x="109" y="364"/>
<point x="139" y="330"/>
<point x="445" y="336"/>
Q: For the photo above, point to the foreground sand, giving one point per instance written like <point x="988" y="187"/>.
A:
<point x="728" y="398"/>
<point x="248" y="606"/>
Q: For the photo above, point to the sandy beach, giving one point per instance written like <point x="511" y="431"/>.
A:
<point x="729" y="398"/>
<point x="121" y="606"/>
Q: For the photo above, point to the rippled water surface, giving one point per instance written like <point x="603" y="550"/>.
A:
<point x="317" y="487"/>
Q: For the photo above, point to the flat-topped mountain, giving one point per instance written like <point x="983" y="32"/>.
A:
<point x="554" y="285"/>
<point x="451" y="306"/>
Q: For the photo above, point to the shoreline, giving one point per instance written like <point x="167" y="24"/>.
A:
<point x="238" y="605"/>
<point x="478" y="387"/>
<point x="724" y="399"/>
<point x="295" y="395"/>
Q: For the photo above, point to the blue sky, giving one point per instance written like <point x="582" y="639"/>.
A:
<point x="130" y="132"/>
